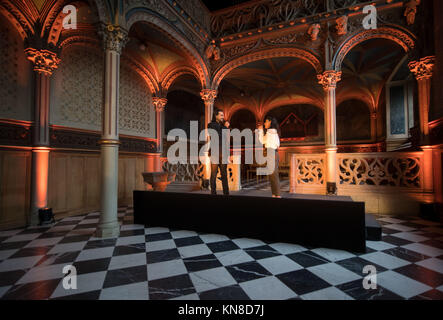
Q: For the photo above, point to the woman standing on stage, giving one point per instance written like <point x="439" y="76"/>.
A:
<point x="271" y="141"/>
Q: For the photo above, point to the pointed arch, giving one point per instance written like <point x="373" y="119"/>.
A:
<point x="19" y="16"/>
<point x="154" y="20"/>
<point x="177" y="72"/>
<point x="266" y="54"/>
<point x="401" y="37"/>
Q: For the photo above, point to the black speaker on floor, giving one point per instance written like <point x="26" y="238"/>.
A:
<point x="46" y="216"/>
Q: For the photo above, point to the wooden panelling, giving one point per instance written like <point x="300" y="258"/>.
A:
<point x="14" y="188"/>
<point x="130" y="177"/>
<point x="92" y="170"/>
<point x="74" y="183"/>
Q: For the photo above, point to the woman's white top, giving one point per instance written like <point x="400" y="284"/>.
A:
<point x="270" y="140"/>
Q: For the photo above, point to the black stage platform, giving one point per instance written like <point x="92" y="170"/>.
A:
<point x="338" y="223"/>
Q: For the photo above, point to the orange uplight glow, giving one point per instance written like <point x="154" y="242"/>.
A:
<point x="41" y="158"/>
<point x="428" y="171"/>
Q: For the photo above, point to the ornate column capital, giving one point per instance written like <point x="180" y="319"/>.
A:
<point x="208" y="95"/>
<point x="114" y="37"/>
<point x="329" y="79"/>
<point x="44" y="61"/>
<point x="159" y="103"/>
<point x="423" y="68"/>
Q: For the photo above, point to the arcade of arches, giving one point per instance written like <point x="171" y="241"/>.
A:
<point x="84" y="112"/>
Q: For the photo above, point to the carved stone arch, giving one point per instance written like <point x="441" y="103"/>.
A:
<point x="144" y="72"/>
<point x="394" y="33"/>
<point x="19" y="19"/>
<point x="80" y="38"/>
<point x="175" y="73"/>
<point x="266" y="54"/>
<point x="54" y="20"/>
<point x="367" y="100"/>
<point x="240" y="106"/>
<point x="52" y="12"/>
<point x="159" y="23"/>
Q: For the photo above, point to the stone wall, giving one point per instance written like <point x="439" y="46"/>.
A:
<point x="15" y="77"/>
<point x="77" y="94"/>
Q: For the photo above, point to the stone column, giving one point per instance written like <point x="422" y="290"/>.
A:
<point x="159" y="105"/>
<point x="45" y="62"/>
<point x="422" y="70"/>
<point x="149" y="164"/>
<point x="329" y="81"/>
<point x="374" y="118"/>
<point x="114" y="38"/>
<point x="208" y="96"/>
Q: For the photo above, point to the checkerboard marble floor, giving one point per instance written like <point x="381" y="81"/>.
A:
<point x="160" y="263"/>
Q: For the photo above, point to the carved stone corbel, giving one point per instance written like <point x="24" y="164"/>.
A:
<point x="411" y="11"/>
<point x="314" y="30"/>
<point x="342" y="25"/>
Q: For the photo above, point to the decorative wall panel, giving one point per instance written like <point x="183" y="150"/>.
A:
<point x="136" y="110"/>
<point x="78" y="95"/>
<point x="77" y="90"/>
<point x="15" y="76"/>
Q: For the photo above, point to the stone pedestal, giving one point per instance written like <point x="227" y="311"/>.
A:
<point x="159" y="180"/>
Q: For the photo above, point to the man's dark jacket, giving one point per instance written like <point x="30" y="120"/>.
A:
<point x="221" y="130"/>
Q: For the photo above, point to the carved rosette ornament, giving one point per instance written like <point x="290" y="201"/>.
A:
<point x="342" y="25"/>
<point x="44" y="61"/>
<point x="159" y="103"/>
<point x="208" y="95"/>
<point x="423" y="68"/>
<point x="114" y="37"/>
<point x="329" y="79"/>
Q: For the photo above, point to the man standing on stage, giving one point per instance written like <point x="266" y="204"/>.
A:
<point x="219" y="126"/>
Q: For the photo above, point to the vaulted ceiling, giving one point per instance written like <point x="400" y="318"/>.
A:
<point x="262" y="85"/>
<point x="155" y="50"/>
<point x="367" y="68"/>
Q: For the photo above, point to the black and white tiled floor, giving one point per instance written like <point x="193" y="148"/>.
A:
<point x="159" y="263"/>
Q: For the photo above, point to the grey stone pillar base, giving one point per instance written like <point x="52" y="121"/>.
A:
<point x="34" y="219"/>
<point x="108" y="230"/>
